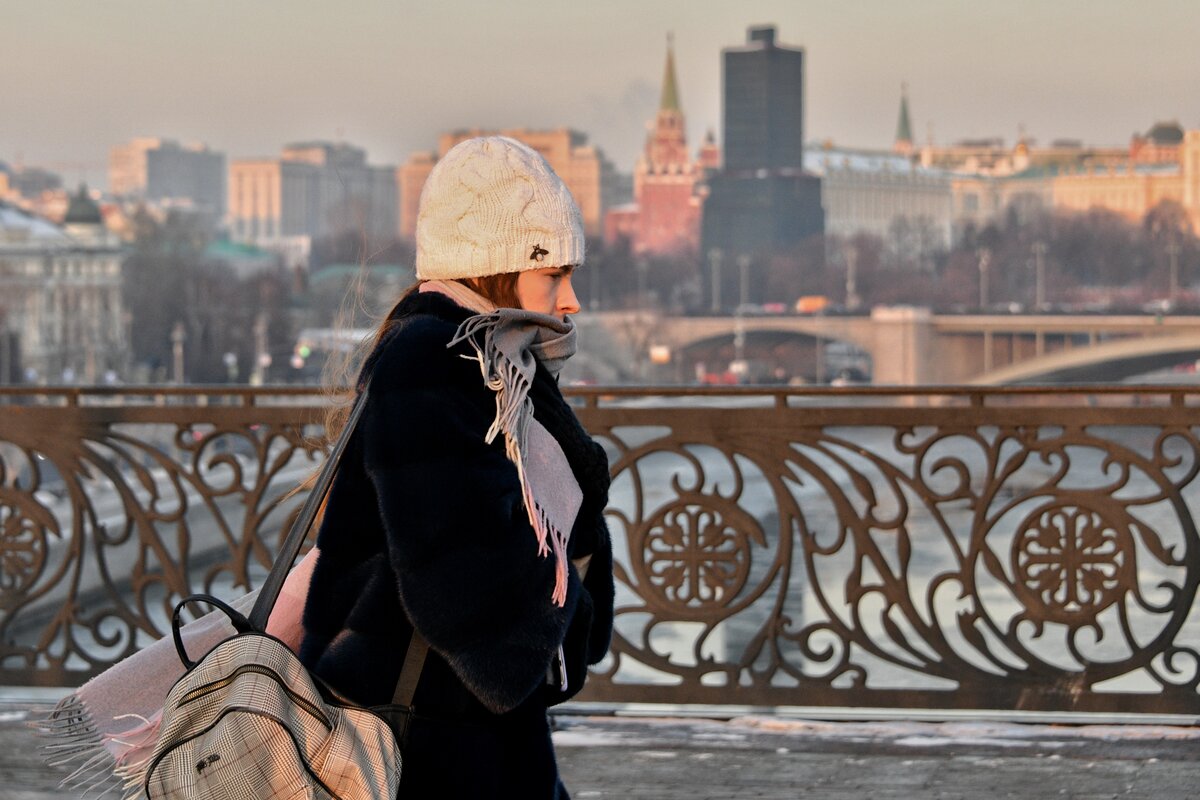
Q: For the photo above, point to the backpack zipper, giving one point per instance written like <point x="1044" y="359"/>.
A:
<point x="203" y="691"/>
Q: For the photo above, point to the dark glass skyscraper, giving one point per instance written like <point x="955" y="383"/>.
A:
<point x="764" y="104"/>
<point x="762" y="202"/>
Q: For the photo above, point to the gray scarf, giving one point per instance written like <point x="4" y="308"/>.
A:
<point x="508" y="344"/>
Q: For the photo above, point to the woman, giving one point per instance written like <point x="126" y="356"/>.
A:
<point x="468" y="505"/>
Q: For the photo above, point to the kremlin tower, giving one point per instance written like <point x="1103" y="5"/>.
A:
<point x="664" y="218"/>
<point x="903" y="143"/>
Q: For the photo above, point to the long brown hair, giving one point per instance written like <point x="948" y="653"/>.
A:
<point x="499" y="289"/>
<point x="340" y="372"/>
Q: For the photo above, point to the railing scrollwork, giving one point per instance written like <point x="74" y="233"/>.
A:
<point x="1025" y="549"/>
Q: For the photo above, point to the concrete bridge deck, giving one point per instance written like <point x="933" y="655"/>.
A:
<point x="766" y="757"/>
<point x="914" y="346"/>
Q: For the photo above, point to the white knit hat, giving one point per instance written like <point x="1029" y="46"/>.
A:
<point x="493" y="205"/>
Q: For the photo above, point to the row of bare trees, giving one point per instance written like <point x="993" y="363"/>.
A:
<point x="187" y="306"/>
<point x="1095" y="259"/>
<point x="177" y="293"/>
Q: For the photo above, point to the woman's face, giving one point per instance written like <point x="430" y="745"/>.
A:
<point x="548" y="291"/>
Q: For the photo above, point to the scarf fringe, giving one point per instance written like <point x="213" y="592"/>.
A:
<point x="77" y="744"/>
<point x="546" y="531"/>
<point x="514" y="410"/>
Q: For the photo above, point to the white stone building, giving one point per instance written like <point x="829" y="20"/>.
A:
<point x="866" y="191"/>
<point x="62" y="318"/>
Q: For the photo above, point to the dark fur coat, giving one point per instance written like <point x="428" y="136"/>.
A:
<point x="425" y="525"/>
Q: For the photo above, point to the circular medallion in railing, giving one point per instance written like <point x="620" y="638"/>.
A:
<point x="1082" y="562"/>
<point x="24" y="526"/>
<point x="1073" y="560"/>
<point x="696" y="555"/>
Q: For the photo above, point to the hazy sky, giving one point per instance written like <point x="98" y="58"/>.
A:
<point x="246" y="76"/>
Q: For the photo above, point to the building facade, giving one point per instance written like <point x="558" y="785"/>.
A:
<point x="169" y="173"/>
<point x="668" y="187"/>
<point x="587" y="172"/>
<point x="1160" y="145"/>
<point x="410" y="180"/>
<point x="62" y="318"/>
<point x="1162" y="166"/>
<point x="1130" y="191"/>
<point x="127" y="171"/>
<point x="875" y="192"/>
<point x="989" y="180"/>
<point x="315" y="189"/>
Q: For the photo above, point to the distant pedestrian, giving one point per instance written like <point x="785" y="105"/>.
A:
<point x="469" y="503"/>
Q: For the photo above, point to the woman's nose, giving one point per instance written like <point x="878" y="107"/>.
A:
<point x="568" y="303"/>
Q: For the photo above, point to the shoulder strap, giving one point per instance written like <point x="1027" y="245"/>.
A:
<point x="410" y="673"/>
<point x="299" y="532"/>
<point x="418" y="647"/>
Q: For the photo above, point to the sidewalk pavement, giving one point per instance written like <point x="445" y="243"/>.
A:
<point x="768" y="757"/>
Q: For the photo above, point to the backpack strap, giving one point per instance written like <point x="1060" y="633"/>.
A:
<point x="418" y="647"/>
<point x="410" y="673"/>
<point x="290" y="548"/>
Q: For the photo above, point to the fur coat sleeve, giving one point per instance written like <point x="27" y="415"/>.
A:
<point x="464" y="555"/>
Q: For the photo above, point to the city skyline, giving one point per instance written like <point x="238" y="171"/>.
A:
<point x="247" y="78"/>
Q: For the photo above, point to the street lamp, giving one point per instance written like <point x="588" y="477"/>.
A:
<point x="852" y="298"/>
<point x="230" y="360"/>
<point x="262" y="357"/>
<point x="1039" y="262"/>
<point x="714" y="263"/>
<point x="178" y="337"/>
<point x="1173" y="255"/>
<point x="641" y="267"/>
<point x="985" y="262"/>
<point x="594" y="300"/>
<point x="743" y="263"/>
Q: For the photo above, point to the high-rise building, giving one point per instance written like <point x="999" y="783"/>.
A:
<point x="587" y="172"/>
<point x="127" y="166"/>
<point x="763" y="95"/>
<point x="192" y="174"/>
<point x="315" y="189"/>
<point x="762" y="201"/>
<point x="164" y="171"/>
<point x="664" y="218"/>
<point x="410" y="180"/>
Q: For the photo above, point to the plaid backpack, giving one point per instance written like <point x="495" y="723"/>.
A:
<point x="248" y="722"/>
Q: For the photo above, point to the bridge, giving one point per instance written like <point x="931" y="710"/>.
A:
<point x="912" y="346"/>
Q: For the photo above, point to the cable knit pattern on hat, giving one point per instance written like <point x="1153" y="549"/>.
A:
<point x="493" y="205"/>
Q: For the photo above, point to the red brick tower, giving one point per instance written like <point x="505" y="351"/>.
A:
<point x="665" y="179"/>
<point x="665" y="218"/>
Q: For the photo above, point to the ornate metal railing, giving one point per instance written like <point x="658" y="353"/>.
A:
<point x="943" y="548"/>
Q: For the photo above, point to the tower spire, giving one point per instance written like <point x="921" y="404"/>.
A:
<point x="670" y="94"/>
<point x="904" y="138"/>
